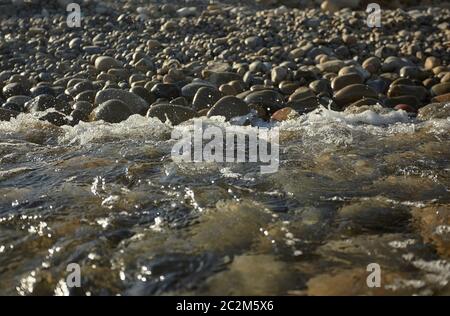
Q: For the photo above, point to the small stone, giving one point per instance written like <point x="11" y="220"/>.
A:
<point x="6" y="115"/>
<point x="166" y="90"/>
<point x="354" y="93"/>
<point x="176" y="114"/>
<point x="400" y="90"/>
<point x="105" y="63"/>
<point x="268" y="99"/>
<point x="88" y="95"/>
<point x="432" y="62"/>
<point x="35" y="91"/>
<point x="15" y="88"/>
<point x="345" y="80"/>
<point x="189" y="90"/>
<point x="372" y="65"/>
<point x="169" y="26"/>
<point x="410" y="100"/>
<point x="180" y="101"/>
<point x="148" y="96"/>
<point x="56" y="118"/>
<point x="111" y="111"/>
<point x="405" y="107"/>
<point x="13" y="107"/>
<point x="442" y="98"/>
<point x="229" y="107"/>
<point x="304" y="105"/>
<point x="205" y="98"/>
<point x="278" y="74"/>
<point x="301" y="93"/>
<point x="284" y="114"/>
<point x="320" y="86"/>
<point x="220" y="78"/>
<point x="19" y="99"/>
<point x="135" y="103"/>
<point x="413" y="73"/>
<point x="187" y="12"/>
<point x="44" y="102"/>
<point x="434" y="111"/>
<point x="253" y="42"/>
<point x="336" y="5"/>
<point x="83" y="106"/>
<point x="440" y="89"/>
<point x="331" y="66"/>
<point x="227" y="89"/>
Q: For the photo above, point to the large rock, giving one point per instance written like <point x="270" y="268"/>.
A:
<point x="135" y="103"/>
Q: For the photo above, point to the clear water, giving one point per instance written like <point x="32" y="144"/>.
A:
<point x="350" y="190"/>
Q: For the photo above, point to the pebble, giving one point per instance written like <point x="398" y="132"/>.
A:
<point x="189" y="90"/>
<point x="6" y="115"/>
<point x="176" y="114"/>
<point x="304" y="105"/>
<point x="442" y="98"/>
<point x="134" y="102"/>
<point x="345" y="80"/>
<point x="440" y="89"/>
<point x="268" y="99"/>
<point x="401" y="90"/>
<point x="205" y="97"/>
<point x="434" y="111"/>
<point x="111" y="111"/>
<point x="432" y="62"/>
<point x="284" y="114"/>
<point x="278" y="74"/>
<point x="13" y="89"/>
<point x="166" y="91"/>
<point x="44" y="102"/>
<point x="354" y="93"/>
<point x="229" y="107"/>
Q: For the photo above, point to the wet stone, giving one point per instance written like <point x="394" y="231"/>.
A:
<point x="6" y="115"/>
<point x="166" y="90"/>
<point x="434" y="111"/>
<point x="205" y="97"/>
<point x="345" y="80"/>
<point x="229" y="107"/>
<point x="441" y="88"/>
<point x="354" y="93"/>
<point x="269" y="99"/>
<point x="401" y="90"/>
<point x="13" y="89"/>
<point x="176" y="114"/>
<point x="111" y="111"/>
<point x="134" y="102"/>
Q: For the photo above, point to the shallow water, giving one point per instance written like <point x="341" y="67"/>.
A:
<point x="350" y="190"/>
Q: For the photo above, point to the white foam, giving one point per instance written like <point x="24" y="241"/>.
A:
<point x="135" y="127"/>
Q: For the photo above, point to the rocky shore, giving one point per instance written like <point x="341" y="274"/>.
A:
<point x="177" y="62"/>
